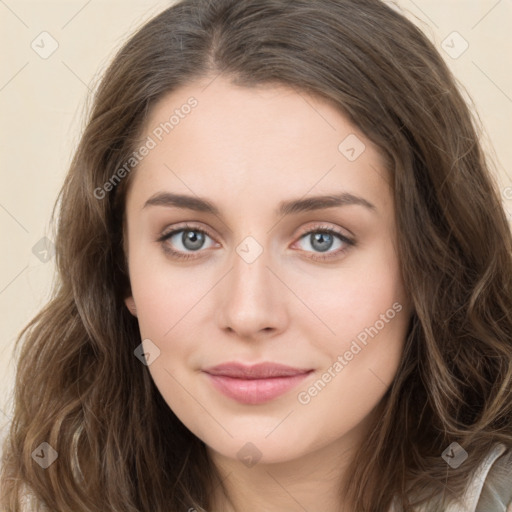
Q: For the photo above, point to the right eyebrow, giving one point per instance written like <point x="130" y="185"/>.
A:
<point x="182" y="201"/>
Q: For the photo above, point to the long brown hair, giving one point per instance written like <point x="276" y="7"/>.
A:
<point x="79" y="386"/>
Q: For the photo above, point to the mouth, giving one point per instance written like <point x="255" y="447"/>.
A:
<point x="255" y="384"/>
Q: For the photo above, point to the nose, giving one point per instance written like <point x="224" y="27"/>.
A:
<point x="252" y="300"/>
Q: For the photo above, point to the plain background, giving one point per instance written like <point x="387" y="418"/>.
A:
<point x="42" y="99"/>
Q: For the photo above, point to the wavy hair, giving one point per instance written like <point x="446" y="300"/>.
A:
<point x="79" y="386"/>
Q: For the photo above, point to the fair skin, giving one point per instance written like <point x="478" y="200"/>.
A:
<point x="246" y="150"/>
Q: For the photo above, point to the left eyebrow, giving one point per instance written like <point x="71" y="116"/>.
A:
<point x="285" y="207"/>
<point x="321" y="202"/>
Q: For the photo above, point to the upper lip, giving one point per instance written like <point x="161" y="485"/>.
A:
<point x="256" y="371"/>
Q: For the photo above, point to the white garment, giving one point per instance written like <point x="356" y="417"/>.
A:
<point x="469" y="501"/>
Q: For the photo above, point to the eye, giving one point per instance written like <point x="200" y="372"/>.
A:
<point x="186" y="238"/>
<point x="323" y="239"/>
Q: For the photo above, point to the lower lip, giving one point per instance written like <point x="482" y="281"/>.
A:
<point x="255" y="391"/>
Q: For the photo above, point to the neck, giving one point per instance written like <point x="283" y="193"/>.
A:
<point x="313" y="481"/>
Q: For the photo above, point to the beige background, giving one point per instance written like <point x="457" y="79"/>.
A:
<point x="42" y="101"/>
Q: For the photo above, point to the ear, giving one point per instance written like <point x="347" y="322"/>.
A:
<point x="130" y="304"/>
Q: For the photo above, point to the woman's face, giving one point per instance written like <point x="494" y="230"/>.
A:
<point x="284" y="237"/>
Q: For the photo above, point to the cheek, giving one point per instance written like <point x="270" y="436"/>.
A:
<point x="364" y="295"/>
<point x="164" y="296"/>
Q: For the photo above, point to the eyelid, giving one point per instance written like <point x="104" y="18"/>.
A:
<point x="183" y="227"/>
<point x="322" y="226"/>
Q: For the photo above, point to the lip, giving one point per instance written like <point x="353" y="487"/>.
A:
<point x="257" y="383"/>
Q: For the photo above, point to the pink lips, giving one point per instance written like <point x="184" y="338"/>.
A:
<point x="255" y="384"/>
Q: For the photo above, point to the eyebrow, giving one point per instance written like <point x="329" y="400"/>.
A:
<point x="285" y="207"/>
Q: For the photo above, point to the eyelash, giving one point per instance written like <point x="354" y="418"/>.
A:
<point x="317" y="229"/>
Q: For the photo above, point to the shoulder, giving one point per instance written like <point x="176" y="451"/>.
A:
<point x="490" y="489"/>
<point x="496" y="491"/>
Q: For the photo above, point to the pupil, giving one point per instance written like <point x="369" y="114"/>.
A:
<point x="320" y="243"/>
<point x="192" y="239"/>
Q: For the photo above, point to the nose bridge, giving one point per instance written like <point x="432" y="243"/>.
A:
<point x="250" y="272"/>
<point x="250" y="301"/>
<point x="249" y="280"/>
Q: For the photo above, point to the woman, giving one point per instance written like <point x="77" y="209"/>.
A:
<point x="285" y="279"/>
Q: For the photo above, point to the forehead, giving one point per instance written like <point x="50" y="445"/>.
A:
<point x="214" y="138"/>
